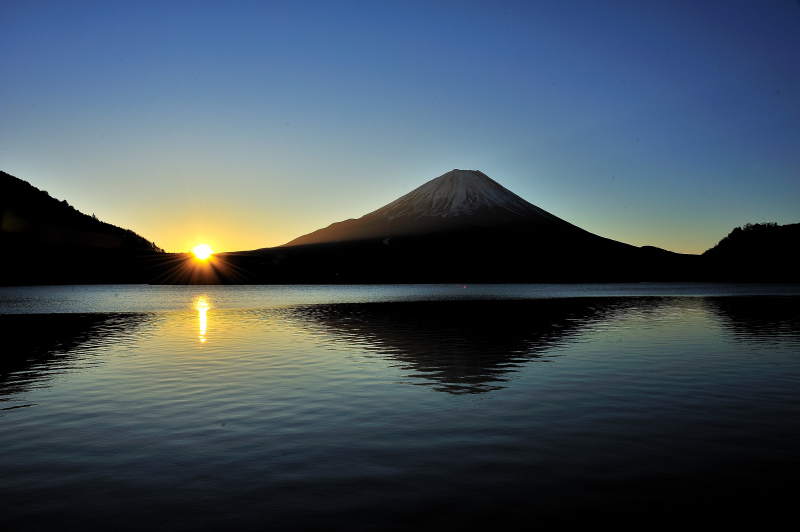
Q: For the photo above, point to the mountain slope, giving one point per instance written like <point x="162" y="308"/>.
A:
<point x="457" y="198"/>
<point x="30" y="217"/>
<point x="46" y="241"/>
<point x="756" y="252"/>
<point x="461" y="227"/>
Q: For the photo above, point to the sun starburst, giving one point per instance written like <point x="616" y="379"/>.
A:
<point x="202" y="251"/>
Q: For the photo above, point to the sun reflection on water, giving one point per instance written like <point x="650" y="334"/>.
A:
<point x="202" y="303"/>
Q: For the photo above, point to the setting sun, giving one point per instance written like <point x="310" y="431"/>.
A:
<point x="202" y="251"/>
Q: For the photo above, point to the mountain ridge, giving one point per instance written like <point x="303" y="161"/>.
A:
<point x="504" y="246"/>
<point x="465" y="227"/>
<point x="44" y="240"/>
<point x="31" y="217"/>
<point x="455" y="198"/>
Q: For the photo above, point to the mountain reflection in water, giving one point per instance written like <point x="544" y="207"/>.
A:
<point x="38" y="346"/>
<point x="472" y="346"/>
<point x="461" y="346"/>
<point x="652" y="409"/>
<point x="760" y="319"/>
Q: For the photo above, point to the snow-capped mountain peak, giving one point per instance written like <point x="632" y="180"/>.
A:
<point x="458" y="193"/>
<point x="457" y="198"/>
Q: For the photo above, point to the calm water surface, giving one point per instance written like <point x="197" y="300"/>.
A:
<point x="441" y="407"/>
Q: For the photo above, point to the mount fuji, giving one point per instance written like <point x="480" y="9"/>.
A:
<point x="457" y="198"/>
<point x="459" y="227"/>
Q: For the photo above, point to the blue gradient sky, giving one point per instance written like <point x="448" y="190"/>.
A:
<point x="245" y="126"/>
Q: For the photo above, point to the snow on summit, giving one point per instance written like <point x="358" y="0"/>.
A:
<point x="457" y="198"/>
<point x="458" y="192"/>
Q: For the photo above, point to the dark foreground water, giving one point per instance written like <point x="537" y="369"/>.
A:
<point x="437" y="407"/>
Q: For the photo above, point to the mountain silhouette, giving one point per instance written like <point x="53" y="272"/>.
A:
<point x="29" y="216"/>
<point x="765" y="252"/>
<point x="47" y="241"/>
<point x="457" y="198"/>
<point x="464" y="227"/>
<point x="461" y="227"/>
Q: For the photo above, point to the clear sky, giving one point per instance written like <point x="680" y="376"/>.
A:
<point x="246" y="124"/>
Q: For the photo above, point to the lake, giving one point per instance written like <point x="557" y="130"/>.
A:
<point x="398" y="407"/>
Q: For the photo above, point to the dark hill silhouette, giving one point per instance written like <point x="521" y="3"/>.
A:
<point x="29" y="216"/>
<point x="765" y="252"/>
<point x="461" y="227"/>
<point x="47" y="241"/>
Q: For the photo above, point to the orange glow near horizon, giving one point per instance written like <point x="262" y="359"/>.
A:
<point x="202" y="251"/>
<point x="188" y="268"/>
